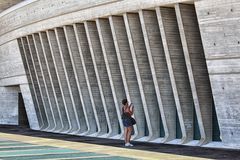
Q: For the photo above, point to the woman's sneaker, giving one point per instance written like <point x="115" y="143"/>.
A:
<point x="128" y="145"/>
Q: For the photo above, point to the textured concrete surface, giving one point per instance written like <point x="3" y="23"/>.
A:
<point x="74" y="80"/>
<point x="39" y="14"/>
<point x="177" y="70"/>
<point x="102" y="76"/>
<point x="32" y="113"/>
<point x="128" y="73"/>
<point x="34" y="86"/>
<point x="160" y="73"/>
<point x="96" y="89"/>
<point x="82" y="76"/>
<point x="144" y="77"/>
<point x="10" y="61"/>
<point x="40" y="80"/>
<point x="47" y="86"/>
<point x="54" y="81"/>
<point x="197" y="69"/>
<point x="53" y="36"/>
<point x="113" y="71"/>
<point x="9" y="99"/>
<point x="219" y="29"/>
<point x="74" y="65"/>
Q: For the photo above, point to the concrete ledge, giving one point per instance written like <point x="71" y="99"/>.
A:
<point x="14" y="80"/>
<point x="73" y="16"/>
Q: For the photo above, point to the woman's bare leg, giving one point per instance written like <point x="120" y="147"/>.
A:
<point x="126" y="135"/>
<point x="129" y="134"/>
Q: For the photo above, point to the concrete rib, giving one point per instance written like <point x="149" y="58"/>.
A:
<point x="35" y="85"/>
<point x="84" y="81"/>
<point x="54" y="81"/>
<point x="51" y="34"/>
<point x="30" y="82"/>
<point x="201" y="101"/>
<point x="132" y="20"/>
<point x="177" y="68"/>
<point x="108" y="49"/>
<point x="46" y="81"/>
<point x="91" y="31"/>
<point x="72" y="47"/>
<point x="40" y="80"/>
<point x="157" y="63"/>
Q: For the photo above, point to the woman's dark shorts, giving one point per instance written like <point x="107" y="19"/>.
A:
<point x="127" y="122"/>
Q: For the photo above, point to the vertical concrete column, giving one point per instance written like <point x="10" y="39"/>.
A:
<point x="70" y="79"/>
<point x="160" y="73"/>
<point x="56" y="55"/>
<point x="143" y="73"/>
<point x="40" y="79"/>
<point x="32" y="92"/>
<point x="73" y="50"/>
<point x="128" y="72"/>
<point x="102" y="77"/>
<point x="35" y="83"/>
<point x="79" y="46"/>
<point x="31" y="110"/>
<point x="177" y="70"/>
<point x="47" y="82"/>
<point x="91" y="80"/>
<point x="124" y="84"/>
<point x="197" y="69"/>
<point x="55" y="82"/>
<point x="112" y="66"/>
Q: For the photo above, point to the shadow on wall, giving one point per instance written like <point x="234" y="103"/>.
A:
<point x="22" y="115"/>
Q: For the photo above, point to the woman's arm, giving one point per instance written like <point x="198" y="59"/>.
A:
<point x="131" y="108"/>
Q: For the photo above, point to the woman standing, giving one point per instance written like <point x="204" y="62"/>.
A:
<point x="127" y="112"/>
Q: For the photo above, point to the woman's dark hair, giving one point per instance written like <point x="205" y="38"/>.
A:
<point x="124" y="101"/>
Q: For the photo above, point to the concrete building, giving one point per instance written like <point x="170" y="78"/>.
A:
<point x="69" y="63"/>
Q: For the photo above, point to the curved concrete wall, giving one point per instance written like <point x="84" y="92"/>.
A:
<point x="80" y="58"/>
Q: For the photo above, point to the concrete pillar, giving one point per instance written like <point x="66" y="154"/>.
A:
<point x="73" y="50"/>
<point x="143" y="73"/>
<point x="112" y="66"/>
<point x="47" y="82"/>
<point x="40" y="79"/>
<point x="177" y="70"/>
<point x="128" y="73"/>
<point x="102" y="78"/>
<point x="102" y="125"/>
<point x="35" y="83"/>
<point x="82" y="75"/>
<point x="30" y="107"/>
<point x="54" y="81"/>
<point x="123" y="83"/>
<point x="71" y="81"/>
<point x="160" y="73"/>
<point x="31" y="89"/>
<point x="197" y="69"/>
<point x="73" y="127"/>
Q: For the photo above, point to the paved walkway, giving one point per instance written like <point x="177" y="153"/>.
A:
<point x="42" y="148"/>
<point x="23" y="144"/>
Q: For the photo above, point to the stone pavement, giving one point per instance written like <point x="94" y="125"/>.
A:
<point x="22" y="143"/>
